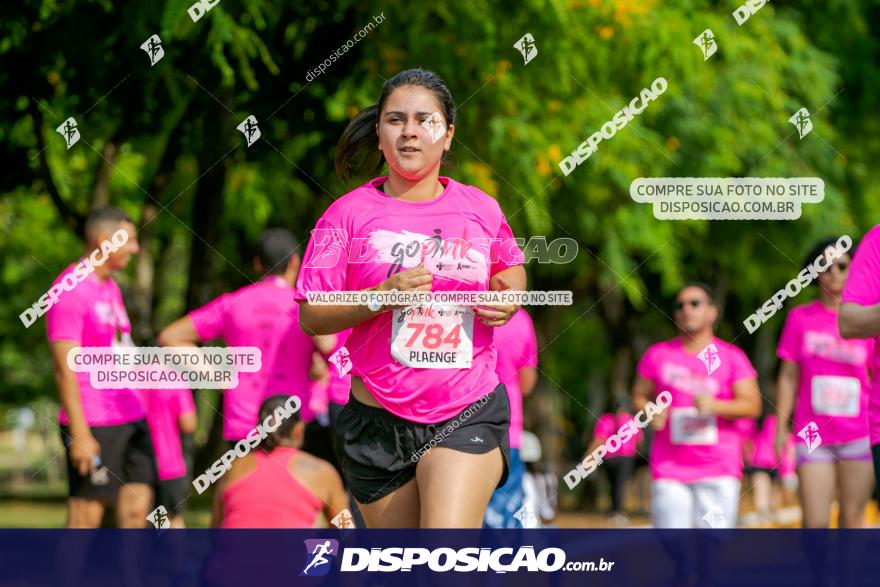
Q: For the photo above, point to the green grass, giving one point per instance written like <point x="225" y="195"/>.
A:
<point x="51" y="513"/>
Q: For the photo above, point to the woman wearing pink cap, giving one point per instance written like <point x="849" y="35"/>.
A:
<point x="423" y="440"/>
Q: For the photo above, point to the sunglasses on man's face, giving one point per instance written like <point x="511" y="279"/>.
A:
<point x="693" y="303"/>
<point x="841" y="266"/>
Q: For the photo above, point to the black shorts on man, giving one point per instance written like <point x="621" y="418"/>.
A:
<point x="379" y="451"/>
<point x="126" y="457"/>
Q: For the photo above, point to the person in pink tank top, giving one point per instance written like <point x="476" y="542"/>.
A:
<point x="696" y="451"/>
<point x="263" y="315"/>
<point x="860" y="318"/>
<point x="824" y="379"/>
<point x="279" y="485"/>
<point x="424" y="395"/>
<point x="619" y="464"/>
<point x="109" y="451"/>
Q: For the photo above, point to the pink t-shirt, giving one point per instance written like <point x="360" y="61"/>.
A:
<point x="517" y="349"/>
<point x="863" y="288"/>
<point x="366" y="236"/>
<point x="263" y="315"/>
<point x="763" y="441"/>
<point x="339" y="387"/>
<point x="164" y="408"/>
<point x="608" y="425"/>
<point x="690" y="448"/>
<point x="93" y="315"/>
<point x="833" y="385"/>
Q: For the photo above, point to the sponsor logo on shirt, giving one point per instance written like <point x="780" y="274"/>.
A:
<point x="828" y="346"/>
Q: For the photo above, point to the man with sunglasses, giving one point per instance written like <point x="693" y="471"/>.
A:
<point x="824" y="379"/>
<point x="859" y="317"/>
<point x="696" y="455"/>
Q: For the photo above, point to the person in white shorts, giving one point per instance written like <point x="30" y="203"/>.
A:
<point x="696" y="455"/>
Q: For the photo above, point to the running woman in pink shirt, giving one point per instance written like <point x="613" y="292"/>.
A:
<point x="860" y="318"/>
<point x="171" y="415"/>
<point x="278" y="485"/>
<point x="696" y="453"/>
<point x="824" y="379"/>
<point x="517" y="349"/>
<point x="263" y="315"/>
<point x="423" y="439"/>
<point x="109" y="451"/>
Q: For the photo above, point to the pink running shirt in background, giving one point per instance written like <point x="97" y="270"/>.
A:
<point x="863" y="288"/>
<point x="263" y="315"/>
<point x="517" y="348"/>
<point x="365" y="236"/>
<point x="607" y="425"/>
<point x="164" y="409"/>
<point x="93" y="315"/>
<point x="833" y="386"/>
<point x="701" y="448"/>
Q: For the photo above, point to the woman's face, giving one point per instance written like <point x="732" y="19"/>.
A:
<point x="413" y="134"/>
<point x="833" y="279"/>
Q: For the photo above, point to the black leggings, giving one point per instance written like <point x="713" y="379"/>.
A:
<point x="619" y="470"/>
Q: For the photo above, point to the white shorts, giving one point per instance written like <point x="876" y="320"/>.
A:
<point x="708" y="503"/>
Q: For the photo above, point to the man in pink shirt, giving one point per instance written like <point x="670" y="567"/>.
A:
<point x="171" y="415"/>
<point x="263" y="315"/>
<point x="696" y="454"/>
<point x="516" y="366"/>
<point x="109" y="451"/>
<point x="859" y="317"/>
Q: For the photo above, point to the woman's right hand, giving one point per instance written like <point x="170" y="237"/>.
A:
<point x="415" y="279"/>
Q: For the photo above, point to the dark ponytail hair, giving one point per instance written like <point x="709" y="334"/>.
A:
<point x="267" y="408"/>
<point x="357" y="151"/>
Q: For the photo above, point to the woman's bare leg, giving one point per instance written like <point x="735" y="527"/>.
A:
<point x="856" y="486"/>
<point x="455" y="487"/>
<point x="817" y="483"/>
<point x="398" y="509"/>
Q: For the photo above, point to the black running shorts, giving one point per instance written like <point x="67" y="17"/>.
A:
<point x="126" y="457"/>
<point x="379" y="451"/>
<point x="172" y="494"/>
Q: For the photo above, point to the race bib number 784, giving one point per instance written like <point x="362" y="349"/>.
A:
<point x="433" y="336"/>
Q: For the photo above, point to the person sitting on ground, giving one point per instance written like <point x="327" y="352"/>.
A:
<point x="277" y="485"/>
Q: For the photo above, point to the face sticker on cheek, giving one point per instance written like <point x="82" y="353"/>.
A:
<point x="435" y="126"/>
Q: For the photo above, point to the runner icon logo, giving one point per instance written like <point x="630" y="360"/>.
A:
<point x="810" y="434"/>
<point x="317" y="561"/>
<point x="477" y="439"/>
<point x="159" y="518"/>
<point x="343" y="520"/>
<point x="526" y="516"/>
<point x="526" y="46"/>
<point x="706" y="43"/>
<point x="801" y="121"/>
<point x="70" y="131"/>
<point x="249" y="129"/>
<point x="153" y="49"/>
<point x="434" y="125"/>
<point x="715" y="517"/>
<point x="341" y="360"/>
<point x="709" y="356"/>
